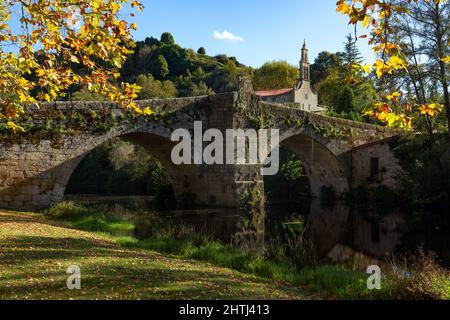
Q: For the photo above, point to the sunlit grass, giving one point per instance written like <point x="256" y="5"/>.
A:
<point x="36" y="252"/>
<point x="108" y="255"/>
<point x="333" y="282"/>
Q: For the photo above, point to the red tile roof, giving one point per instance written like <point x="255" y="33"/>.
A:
<point x="269" y="93"/>
<point x="374" y="143"/>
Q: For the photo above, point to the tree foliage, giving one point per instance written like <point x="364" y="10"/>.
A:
<point x="350" y="55"/>
<point x="275" y="75"/>
<point x="118" y="168"/>
<point x="152" y="88"/>
<point x="345" y="93"/>
<point x="192" y="72"/>
<point x="201" y="51"/>
<point x="167" y="38"/>
<point x="161" y="67"/>
<point x="379" y="17"/>
<point x="85" y="95"/>
<point x="59" y="44"/>
<point x="346" y="100"/>
<point x="324" y="62"/>
<point x="287" y="191"/>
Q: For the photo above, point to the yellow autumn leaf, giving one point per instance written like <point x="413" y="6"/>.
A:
<point x="367" y="68"/>
<point x="100" y="42"/>
<point x="40" y="72"/>
<point x="431" y="110"/>
<point x="367" y="21"/>
<point x="15" y="128"/>
<point x="343" y="7"/>
<point x="148" y="112"/>
<point x="396" y="62"/>
<point x="394" y="96"/>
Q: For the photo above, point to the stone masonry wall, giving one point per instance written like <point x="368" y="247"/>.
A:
<point x="34" y="175"/>
<point x="307" y="98"/>
<point x="35" y="169"/>
<point x="389" y="166"/>
<point x="288" y="97"/>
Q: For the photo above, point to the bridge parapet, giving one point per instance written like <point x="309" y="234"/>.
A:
<point x="327" y="130"/>
<point x="157" y="105"/>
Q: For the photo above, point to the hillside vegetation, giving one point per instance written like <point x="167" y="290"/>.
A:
<point x="193" y="73"/>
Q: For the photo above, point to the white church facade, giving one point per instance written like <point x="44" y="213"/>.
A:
<point x="301" y="94"/>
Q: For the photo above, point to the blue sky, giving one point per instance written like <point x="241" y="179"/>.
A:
<point x="271" y="29"/>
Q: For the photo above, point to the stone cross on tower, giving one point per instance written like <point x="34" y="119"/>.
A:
<point x="304" y="65"/>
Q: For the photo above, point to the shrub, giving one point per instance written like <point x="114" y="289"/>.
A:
<point x="94" y="218"/>
<point x="335" y="282"/>
<point x="419" y="278"/>
<point x="68" y="210"/>
<point x="153" y="227"/>
<point x="91" y="223"/>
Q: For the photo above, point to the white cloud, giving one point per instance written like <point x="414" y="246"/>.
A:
<point x="225" y="35"/>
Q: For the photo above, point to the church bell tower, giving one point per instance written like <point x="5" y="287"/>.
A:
<point x="304" y="65"/>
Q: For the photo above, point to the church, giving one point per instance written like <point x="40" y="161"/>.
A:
<point x="301" y="94"/>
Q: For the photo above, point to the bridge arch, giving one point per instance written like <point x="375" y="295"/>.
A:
<point x="186" y="180"/>
<point x="41" y="178"/>
<point x="325" y="225"/>
<point x="324" y="168"/>
<point x="35" y="170"/>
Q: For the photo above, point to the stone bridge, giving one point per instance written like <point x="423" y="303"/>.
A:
<point x="36" y="166"/>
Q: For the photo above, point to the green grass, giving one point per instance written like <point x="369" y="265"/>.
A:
<point x="102" y="224"/>
<point x="331" y="282"/>
<point x="35" y="252"/>
<point x="93" y="218"/>
<point x="182" y="246"/>
<point x="325" y="281"/>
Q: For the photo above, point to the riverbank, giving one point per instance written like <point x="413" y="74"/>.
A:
<point x="36" y="251"/>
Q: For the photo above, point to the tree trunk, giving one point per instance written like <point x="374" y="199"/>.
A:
<point x="443" y="71"/>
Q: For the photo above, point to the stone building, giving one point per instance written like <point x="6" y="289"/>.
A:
<point x="301" y="94"/>
<point x="374" y="165"/>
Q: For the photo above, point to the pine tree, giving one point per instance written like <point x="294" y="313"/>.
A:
<point x="160" y="68"/>
<point x="351" y="54"/>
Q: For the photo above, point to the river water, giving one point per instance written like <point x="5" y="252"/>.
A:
<point x="369" y="233"/>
